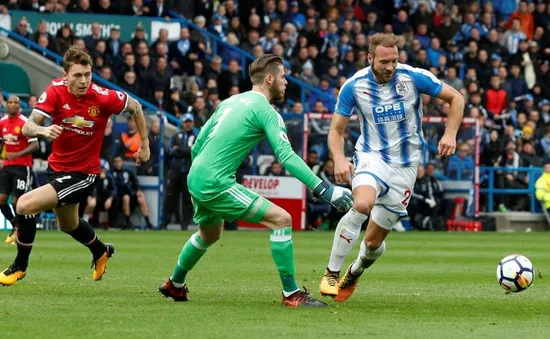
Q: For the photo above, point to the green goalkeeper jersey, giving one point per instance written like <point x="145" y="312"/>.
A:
<point x="240" y="123"/>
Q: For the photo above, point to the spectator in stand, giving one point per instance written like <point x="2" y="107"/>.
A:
<point x="217" y="28"/>
<point x="162" y="37"/>
<point x="32" y="100"/>
<point x="129" y="193"/>
<point x="64" y="39"/>
<point x="199" y="111"/>
<point x="82" y="7"/>
<point x="110" y="144"/>
<point x="136" y="8"/>
<point x="525" y="17"/>
<point x="130" y="84"/>
<point x="151" y="167"/>
<point x="507" y="179"/>
<point x="230" y="78"/>
<point x="461" y="165"/>
<point x="159" y="78"/>
<point x="139" y="36"/>
<point x="105" y="7"/>
<point x="22" y="28"/>
<point x="175" y="105"/>
<point x="275" y="170"/>
<point x="43" y="30"/>
<point x="129" y="141"/>
<point x="180" y="162"/>
<point x="452" y="80"/>
<point x="158" y="9"/>
<point x="495" y="98"/>
<point x="513" y="36"/>
<point x="158" y="99"/>
<point x="229" y="53"/>
<point x="182" y="53"/>
<point x="328" y="97"/>
<point x="92" y="39"/>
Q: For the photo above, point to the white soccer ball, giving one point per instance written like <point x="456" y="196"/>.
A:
<point x="515" y="273"/>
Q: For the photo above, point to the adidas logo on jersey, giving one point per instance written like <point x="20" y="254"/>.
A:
<point x="66" y="106"/>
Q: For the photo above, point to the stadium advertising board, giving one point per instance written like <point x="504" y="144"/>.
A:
<point x="81" y="24"/>
<point x="286" y="192"/>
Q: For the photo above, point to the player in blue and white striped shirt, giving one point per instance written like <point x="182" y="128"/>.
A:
<point x="386" y="96"/>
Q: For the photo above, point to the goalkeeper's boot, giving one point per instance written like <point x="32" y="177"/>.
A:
<point x="347" y="284"/>
<point x="302" y="299"/>
<point x="168" y="290"/>
<point x="11" y="275"/>
<point x="10" y="239"/>
<point x="329" y="283"/>
<point x="100" y="264"/>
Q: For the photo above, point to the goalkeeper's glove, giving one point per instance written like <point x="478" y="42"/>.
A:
<point x="337" y="196"/>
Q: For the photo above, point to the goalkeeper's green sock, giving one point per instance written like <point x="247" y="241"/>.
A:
<point x="283" y="256"/>
<point x="192" y="251"/>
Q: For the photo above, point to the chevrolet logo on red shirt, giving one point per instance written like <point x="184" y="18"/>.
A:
<point x="78" y="121"/>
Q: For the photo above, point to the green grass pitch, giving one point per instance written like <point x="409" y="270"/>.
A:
<point x="426" y="285"/>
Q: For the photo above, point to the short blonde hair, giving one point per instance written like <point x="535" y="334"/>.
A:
<point x="384" y="40"/>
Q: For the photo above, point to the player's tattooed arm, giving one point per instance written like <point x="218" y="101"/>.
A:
<point x="33" y="128"/>
<point x="134" y="108"/>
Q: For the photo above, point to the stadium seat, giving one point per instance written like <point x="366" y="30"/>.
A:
<point x="14" y="80"/>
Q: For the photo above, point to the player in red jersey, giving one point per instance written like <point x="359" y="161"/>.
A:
<point x="79" y="111"/>
<point x="16" y="175"/>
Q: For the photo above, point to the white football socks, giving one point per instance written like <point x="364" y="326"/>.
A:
<point x="346" y="235"/>
<point x="366" y="257"/>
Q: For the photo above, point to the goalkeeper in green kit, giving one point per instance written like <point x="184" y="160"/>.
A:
<point x="239" y="123"/>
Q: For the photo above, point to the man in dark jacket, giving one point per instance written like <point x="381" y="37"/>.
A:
<point x="425" y="201"/>
<point x="180" y="154"/>
<point x="106" y="193"/>
<point x="129" y="192"/>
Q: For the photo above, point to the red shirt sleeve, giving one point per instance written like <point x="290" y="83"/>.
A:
<point x="47" y="102"/>
<point x="1" y="129"/>
<point x="116" y="101"/>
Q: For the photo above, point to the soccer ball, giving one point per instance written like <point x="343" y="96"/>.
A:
<point x="515" y="273"/>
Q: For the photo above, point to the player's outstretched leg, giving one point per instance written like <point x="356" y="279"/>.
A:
<point x="346" y="235"/>
<point x="372" y="247"/>
<point x="175" y="287"/>
<point x="24" y="240"/>
<point x="348" y="230"/>
<point x="283" y="255"/>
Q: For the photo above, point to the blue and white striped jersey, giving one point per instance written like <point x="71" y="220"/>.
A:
<point x="390" y="113"/>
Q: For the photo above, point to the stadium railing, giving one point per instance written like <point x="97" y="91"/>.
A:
<point x="488" y="176"/>
<point x="58" y="59"/>
<point x="247" y="57"/>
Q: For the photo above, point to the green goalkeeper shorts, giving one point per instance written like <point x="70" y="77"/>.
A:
<point x="236" y="202"/>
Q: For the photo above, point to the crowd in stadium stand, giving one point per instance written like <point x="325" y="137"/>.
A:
<point x="496" y="53"/>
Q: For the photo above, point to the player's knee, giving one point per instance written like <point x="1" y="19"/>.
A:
<point x="24" y="205"/>
<point x="210" y="237"/>
<point x="283" y="220"/>
<point x="363" y="206"/>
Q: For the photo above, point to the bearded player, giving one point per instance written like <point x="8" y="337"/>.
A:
<point x="387" y="98"/>
<point x="79" y="111"/>
<point x="239" y="124"/>
<point x="16" y="175"/>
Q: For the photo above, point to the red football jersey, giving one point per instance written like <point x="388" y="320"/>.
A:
<point x="11" y="132"/>
<point x="83" y="119"/>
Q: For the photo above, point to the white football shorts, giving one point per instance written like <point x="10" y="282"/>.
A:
<point x="394" y="186"/>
